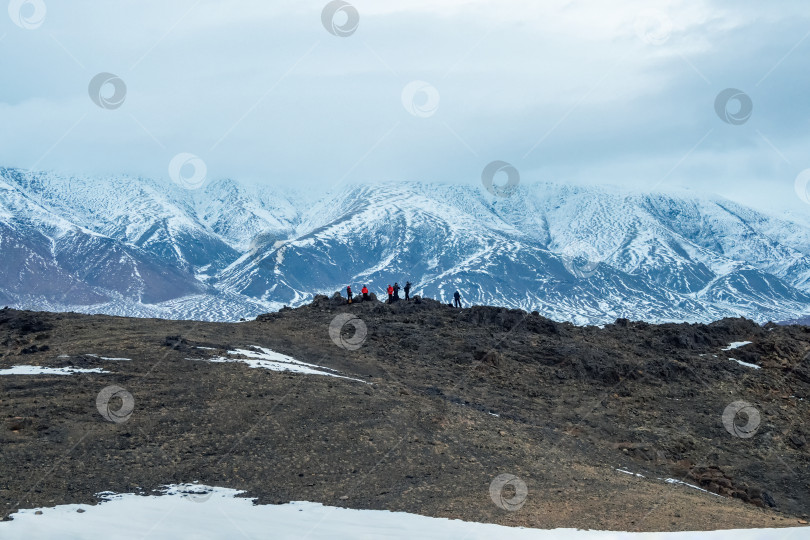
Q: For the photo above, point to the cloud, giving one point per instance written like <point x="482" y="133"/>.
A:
<point x="566" y="91"/>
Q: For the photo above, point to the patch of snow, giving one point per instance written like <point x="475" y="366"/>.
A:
<point x="41" y="370"/>
<point x="746" y="364"/>
<point x="111" y="359"/>
<point x="272" y="360"/>
<point x="631" y="473"/>
<point x="207" y="348"/>
<point x="198" y="511"/>
<point x="736" y="345"/>
<point x="682" y="483"/>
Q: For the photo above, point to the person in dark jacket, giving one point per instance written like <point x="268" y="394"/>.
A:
<point x="457" y="299"/>
<point x="407" y="290"/>
<point x="396" y="292"/>
<point x="364" y="290"/>
<point x="390" y="294"/>
<point x="349" y="293"/>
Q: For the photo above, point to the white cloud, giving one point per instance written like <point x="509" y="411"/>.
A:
<point x="261" y="91"/>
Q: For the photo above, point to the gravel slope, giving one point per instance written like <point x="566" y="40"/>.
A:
<point x="449" y="400"/>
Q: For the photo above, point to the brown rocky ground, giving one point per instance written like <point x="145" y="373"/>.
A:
<point x="454" y="398"/>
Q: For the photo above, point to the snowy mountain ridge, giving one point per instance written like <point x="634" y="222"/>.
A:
<point x="138" y="246"/>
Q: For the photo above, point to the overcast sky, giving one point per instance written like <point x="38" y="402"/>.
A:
<point x="621" y="92"/>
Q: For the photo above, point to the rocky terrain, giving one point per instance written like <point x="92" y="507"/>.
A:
<point x="605" y="426"/>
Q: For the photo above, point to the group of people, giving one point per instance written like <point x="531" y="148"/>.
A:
<point x="363" y="291"/>
<point x="393" y="293"/>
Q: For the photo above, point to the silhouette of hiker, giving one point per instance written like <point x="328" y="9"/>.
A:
<point x="390" y="294"/>
<point x="349" y="293"/>
<point x="364" y="290"/>
<point x="407" y="290"/>
<point x="457" y="299"/>
<point x="396" y="292"/>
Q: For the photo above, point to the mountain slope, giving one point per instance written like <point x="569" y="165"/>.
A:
<point x="581" y="255"/>
<point x="50" y="258"/>
<point x="609" y="428"/>
<point x="589" y="255"/>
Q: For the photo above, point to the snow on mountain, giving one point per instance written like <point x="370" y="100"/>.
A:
<point x="158" y="219"/>
<point x="134" y="246"/>
<point x="246" y="217"/>
<point x="50" y="258"/>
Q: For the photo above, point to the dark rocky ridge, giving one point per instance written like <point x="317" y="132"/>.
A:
<point x="456" y="398"/>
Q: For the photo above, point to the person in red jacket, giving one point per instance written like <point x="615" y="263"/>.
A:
<point x="364" y="290"/>
<point x="349" y="293"/>
<point x="390" y="294"/>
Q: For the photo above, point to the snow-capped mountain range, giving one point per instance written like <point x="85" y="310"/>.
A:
<point x="143" y="247"/>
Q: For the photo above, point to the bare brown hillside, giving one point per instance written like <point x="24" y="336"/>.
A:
<point x="437" y="404"/>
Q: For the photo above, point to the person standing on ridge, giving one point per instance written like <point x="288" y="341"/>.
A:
<point x="364" y="290"/>
<point x="457" y="299"/>
<point x="349" y="293"/>
<point x="396" y="292"/>
<point x="407" y="290"/>
<point x="390" y="294"/>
